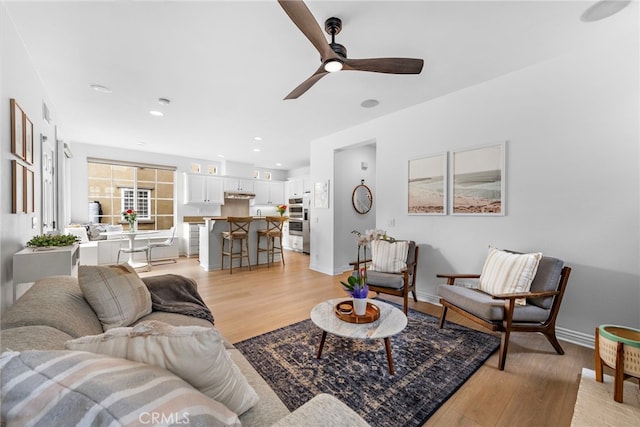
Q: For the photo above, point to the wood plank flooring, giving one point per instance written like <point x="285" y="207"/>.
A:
<point x="537" y="388"/>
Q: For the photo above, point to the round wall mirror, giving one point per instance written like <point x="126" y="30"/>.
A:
<point x="362" y="199"/>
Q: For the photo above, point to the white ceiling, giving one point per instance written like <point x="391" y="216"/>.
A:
<point x="227" y="65"/>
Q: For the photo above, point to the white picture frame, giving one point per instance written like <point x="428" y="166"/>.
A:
<point x="478" y="180"/>
<point x="427" y="185"/>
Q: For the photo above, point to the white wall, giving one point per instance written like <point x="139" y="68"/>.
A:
<point x="572" y="178"/>
<point x="18" y="80"/>
<point x="348" y="173"/>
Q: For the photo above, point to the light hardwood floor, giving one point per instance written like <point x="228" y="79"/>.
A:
<point x="537" y="387"/>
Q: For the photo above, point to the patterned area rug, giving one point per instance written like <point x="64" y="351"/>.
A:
<point x="430" y="365"/>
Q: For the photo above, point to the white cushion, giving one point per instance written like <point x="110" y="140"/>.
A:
<point x="506" y="273"/>
<point x="68" y="388"/>
<point x="115" y="292"/>
<point x="389" y="257"/>
<point x="194" y="353"/>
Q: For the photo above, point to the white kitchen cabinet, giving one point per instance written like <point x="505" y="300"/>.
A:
<point x="203" y="189"/>
<point x="192" y="235"/>
<point x="237" y="184"/>
<point x="269" y="193"/>
<point x="299" y="185"/>
<point x="295" y="187"/>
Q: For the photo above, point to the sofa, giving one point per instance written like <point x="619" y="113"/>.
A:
<point x="54" y="311"/>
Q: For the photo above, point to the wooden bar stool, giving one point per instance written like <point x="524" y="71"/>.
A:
<point x="273" y="230"/>
<point x="238" y="230"/>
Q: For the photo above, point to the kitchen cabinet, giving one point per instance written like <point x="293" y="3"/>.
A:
<point x="295" y="187"/>
<point x="203" y="189"/>
<point x="269" y="193"/>
<point x="299" y="185"/>
<point x="192" y="236"/>
<point x="237" y="184"/>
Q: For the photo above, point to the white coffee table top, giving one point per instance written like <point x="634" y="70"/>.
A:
<point x="391" y="321"/>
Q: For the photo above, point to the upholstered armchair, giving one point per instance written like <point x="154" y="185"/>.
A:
<point x="391" y="272"/>
<point x="504" y="311"/>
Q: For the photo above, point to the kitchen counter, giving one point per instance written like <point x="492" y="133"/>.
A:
<point x="211" y="242"/>
<point x="193" y="220"/>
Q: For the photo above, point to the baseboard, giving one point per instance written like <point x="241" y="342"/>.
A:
<point x="315" y="267"/>
<point x="563" y="334"/>
<point x="575" y="337"/>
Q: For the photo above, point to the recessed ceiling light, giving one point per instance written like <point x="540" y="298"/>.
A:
<point x="141" y="143"/>
<point x="369" y="103"/>
<point x="164" y="101"/>
<point x="603" y="9"/>
<point x="220" y="155"/>
<point x="100" y="88"/>
<point x="278" y="164"/>
<point x="156" y="113"/>
<point x="257" y="138"/>
<point x="256" y="149"/>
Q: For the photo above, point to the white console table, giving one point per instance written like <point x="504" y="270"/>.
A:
<point x="31" y="264"/>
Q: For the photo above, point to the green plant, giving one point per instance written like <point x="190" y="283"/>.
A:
<point x="51" y="240"/>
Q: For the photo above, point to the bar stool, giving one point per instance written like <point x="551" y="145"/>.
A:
<point x="238" y="230"/>
<point x="273" y="230"/>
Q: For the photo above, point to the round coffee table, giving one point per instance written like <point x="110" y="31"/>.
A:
<point x="391" y="322"/>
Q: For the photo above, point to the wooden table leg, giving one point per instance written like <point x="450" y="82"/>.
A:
<point x="387" y="345"/>
<point x="324" y="336"/>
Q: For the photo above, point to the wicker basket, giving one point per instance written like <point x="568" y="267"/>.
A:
<point x="610" y="336"/>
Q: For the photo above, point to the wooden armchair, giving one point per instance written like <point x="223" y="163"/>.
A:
<point x="501" y="313"/>
<point x="398" y="284"/>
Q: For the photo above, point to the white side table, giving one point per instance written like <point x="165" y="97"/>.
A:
<point x="391" y="322"/>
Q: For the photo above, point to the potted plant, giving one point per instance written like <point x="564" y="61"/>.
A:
<point x="49" y="241"/>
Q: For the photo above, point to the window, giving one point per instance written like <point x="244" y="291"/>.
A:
<point x="117" y="186"/>
<point x="142" y="206"/>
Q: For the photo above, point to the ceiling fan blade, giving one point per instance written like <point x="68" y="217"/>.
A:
<point x="306" y="85"/>
<point x="385" y="65"/>
<point x="304" y="20"/>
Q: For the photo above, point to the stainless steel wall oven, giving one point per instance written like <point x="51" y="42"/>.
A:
<point x="299" y="220"/>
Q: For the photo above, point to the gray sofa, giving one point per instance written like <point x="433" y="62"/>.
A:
<point x="54" y="311"/>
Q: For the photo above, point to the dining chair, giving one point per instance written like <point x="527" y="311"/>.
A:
<point x="163" y="244"/>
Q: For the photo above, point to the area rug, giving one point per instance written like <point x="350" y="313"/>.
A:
<point x="430" y="365"/>
<point x="595" y="406"/>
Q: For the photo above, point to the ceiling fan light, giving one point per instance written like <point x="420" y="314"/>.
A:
<point x="333" y="65"/>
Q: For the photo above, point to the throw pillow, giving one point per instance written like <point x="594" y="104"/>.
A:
<point x="194" y="353"/>
<point x="506" y="272"/>
<point x="115" y="292"/>
<point x="389" y="257"/>
<point x="77" y="388"/>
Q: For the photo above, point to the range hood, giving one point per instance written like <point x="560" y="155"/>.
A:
<point x="243" y="195"/>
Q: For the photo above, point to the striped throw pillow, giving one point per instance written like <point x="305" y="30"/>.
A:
<point x="506" y="273"/>
<point x="69" y="388"/>
<point x="194" y="353"/>
<point x="389" y="257"/>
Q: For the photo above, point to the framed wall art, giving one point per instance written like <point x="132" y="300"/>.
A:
<point x="29" y="198"/>
<point x="17" y="129"/>
<point x="28" y="140"/>
<point x="478" y="180"/>
<point x="321" y="194"/>
<point x="427" y="185"/>
<point x="17" y="189"/>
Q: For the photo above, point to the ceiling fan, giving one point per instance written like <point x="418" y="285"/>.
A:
<point x="334" y="55"/>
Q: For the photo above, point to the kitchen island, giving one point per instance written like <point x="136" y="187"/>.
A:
<point x="211" y="243"/>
